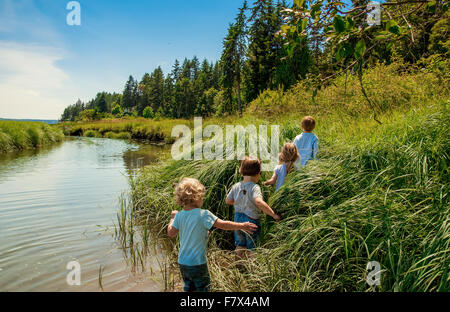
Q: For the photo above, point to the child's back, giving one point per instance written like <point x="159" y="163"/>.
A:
<point x="281" y="173"/>
<point x="307" y="146"/>
<point x="193" y="226"/>
<point x="243" y="194"/>
<point x="307" y="142"/>
<point x="286" y="161"/>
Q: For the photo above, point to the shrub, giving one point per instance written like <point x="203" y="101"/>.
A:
<point x="92" y="134"/>
<point x="117" y="110"/>
<point x="148" y="112"/>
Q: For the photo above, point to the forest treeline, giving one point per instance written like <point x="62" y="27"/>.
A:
<point x="275" y="45"/>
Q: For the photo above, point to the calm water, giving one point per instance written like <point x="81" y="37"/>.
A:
<point x="58" y="205"/>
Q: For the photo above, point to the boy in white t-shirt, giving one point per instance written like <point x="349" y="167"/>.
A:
<point x="247" y="198"/>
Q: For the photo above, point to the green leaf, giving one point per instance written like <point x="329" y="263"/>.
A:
<point x="285" y="28"/>
<point x="304" y="24"/>
<point x="344" y="51"/>
<point x="392" y="27"/>
<point x="299" y="3"/>
<point x="431" y="6"/>
<point x="339" y="24"/>
<point x="360" y="49"/>
<point x="350" y="23"/>
<point x="315" y="9"/>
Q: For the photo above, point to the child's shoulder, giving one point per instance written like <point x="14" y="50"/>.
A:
<point x="298" y="137"/>
<point x="315" y="136"/>
<point x="236" y="185"/>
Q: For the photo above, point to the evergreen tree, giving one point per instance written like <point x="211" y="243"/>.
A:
<point x="157" y="88"/>
<point x="233" y="58"/>
<point x="101" y="104"/>
<point x="264" y="48"/>
<point x="176" y="71"/>
<point x="168" y="97"/>
<point x="128" y="97"/>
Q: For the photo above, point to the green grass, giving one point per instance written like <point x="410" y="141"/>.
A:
<point x="17" y="135"/>
<point x="376" y="193"/>
<point x="139" y="128"/>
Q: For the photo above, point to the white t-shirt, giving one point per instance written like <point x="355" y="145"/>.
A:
<point x="244" y="194"/>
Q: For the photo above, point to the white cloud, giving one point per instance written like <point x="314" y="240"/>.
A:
<point x="31" y="83"/>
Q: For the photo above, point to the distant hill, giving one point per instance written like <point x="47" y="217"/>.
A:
<point x="50" y="122"/>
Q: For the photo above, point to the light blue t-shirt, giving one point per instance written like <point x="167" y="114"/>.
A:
<point x="193" y="226"/>
<point x="307" y="146"/>
<point x="281" y="172"/>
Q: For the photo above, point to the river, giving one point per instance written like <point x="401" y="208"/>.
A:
<point x="59" y="205"/>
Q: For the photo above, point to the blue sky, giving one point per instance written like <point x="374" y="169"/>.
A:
<point x="46" y="65"/>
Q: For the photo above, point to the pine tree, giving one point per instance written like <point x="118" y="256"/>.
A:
<point x="101" y="104"/>
<point x="263" y="50"/>
<point x="232" y="59"/>
<point x="168" y="94"/>
<point x="176" y="71"/>
<point x="128" y="97"/>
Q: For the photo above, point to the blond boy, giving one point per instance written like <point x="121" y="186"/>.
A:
<point x="193" y="224"/>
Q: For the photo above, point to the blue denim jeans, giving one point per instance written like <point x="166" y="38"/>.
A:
<point x="196" y="278"/>
<point x="242" y="238"/>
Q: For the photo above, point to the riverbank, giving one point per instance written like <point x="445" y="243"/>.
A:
<point x="21" y="135"/>
<point x="138" y="129"/>
<point x="377" y="192"/>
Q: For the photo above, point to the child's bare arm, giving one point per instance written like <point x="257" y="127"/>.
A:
<point x="266" y="208"/>
<point x="272" y="180"/>
<point x="229" y="201"/>
<point x="171" y="230"/>
<point x="231" y="226"/>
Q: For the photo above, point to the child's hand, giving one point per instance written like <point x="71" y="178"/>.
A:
<point x="277" y="217"/>
<point x="174" y="213"/>
<point x="249" y="227"/>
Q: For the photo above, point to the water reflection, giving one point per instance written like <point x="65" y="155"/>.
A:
<point x="144" y="155"/>
<point x="57" y="205"/>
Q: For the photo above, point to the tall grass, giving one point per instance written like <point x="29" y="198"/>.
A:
<point x="139" y="128"/>
<point x="377" y="193"/>
<point x="18" y="135"/>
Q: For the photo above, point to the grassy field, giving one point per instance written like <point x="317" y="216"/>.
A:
<point x="18" y="135"/>
<point x="376" y="193"/>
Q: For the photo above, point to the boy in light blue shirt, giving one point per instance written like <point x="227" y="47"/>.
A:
<point x="307" y="142"/>
<point x="193" y="225"/>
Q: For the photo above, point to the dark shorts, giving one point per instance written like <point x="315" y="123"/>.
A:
<point x="196" y="278"/>
<point x="242" y="238"/>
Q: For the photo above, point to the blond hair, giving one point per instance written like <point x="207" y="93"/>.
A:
<point x="189" y="191"/>
<point x="288" y="156"/>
